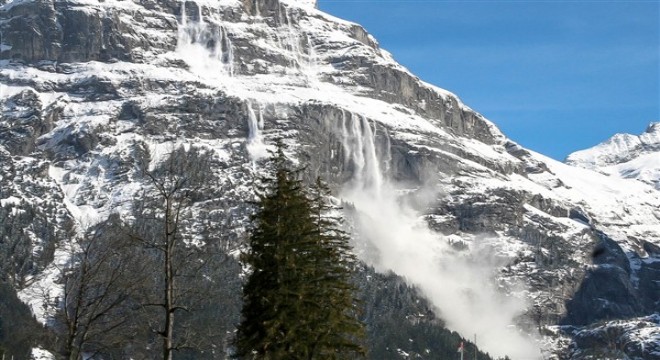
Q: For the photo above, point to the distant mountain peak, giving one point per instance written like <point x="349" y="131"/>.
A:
<point x="625" y="156"/>
<point x="653" y="127"/>
<point x="303" y="2"/>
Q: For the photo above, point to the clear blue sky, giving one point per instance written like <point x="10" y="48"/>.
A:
<point x="555" y="76"/>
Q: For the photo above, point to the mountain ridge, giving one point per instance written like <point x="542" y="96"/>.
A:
<point x="231" y="76"/>
<point x="625" y="155"/>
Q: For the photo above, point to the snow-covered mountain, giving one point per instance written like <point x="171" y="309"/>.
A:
<point x="490" y="233"/>
<point x="625" y="156"/>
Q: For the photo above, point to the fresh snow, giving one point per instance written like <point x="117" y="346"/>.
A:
<point x="12" y="200"/>
<point x="625" y="156"/>
<point x="41" y="354"/>
<point x="43" y="291"/>
<point x="305" y="3"/>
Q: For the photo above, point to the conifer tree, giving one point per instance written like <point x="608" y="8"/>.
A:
<point x="298" y="303"/>
<point x="337" y="330"/>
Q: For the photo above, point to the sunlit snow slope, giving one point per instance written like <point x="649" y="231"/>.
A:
<point x="626" y="156"/>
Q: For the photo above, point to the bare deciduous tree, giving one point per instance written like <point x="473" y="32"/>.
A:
<point x="156" y="280"/>
<point x="165" y="216"/>
<point x="99" y="284"/>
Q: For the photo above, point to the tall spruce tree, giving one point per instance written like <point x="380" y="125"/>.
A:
<point x="334" y="314"/>
<point x="298" y="301"/>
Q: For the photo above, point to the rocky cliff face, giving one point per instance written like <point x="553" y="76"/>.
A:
<point x="89" y="86"/>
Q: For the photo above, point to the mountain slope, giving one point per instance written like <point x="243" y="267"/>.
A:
<point x="438" y="194"/>
<point x="626" y="156"/>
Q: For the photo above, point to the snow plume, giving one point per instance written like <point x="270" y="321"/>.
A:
<point x="393" y="236"/>
<point x="359" y="146"/>
<point x="255" y="143"/>
<point x="205" y="47"/>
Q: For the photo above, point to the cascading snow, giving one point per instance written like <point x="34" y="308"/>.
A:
<point x="456" y="282"/>
<point x="204" y="45"/>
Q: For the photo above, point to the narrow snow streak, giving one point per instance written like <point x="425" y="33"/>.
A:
<point x="310" y="69"/>
<point x="293" y="39"/>
<point x="393" y="237"/>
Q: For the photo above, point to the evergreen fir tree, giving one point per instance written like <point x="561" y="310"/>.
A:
<point x="298" y="303"/>
<point x="338" y="332"/>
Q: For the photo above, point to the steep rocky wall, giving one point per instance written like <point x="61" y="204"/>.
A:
<point x="62" y="31"/>
<point x="91" y="123"/>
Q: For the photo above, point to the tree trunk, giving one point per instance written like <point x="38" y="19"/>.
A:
<point x="169" y="283"/>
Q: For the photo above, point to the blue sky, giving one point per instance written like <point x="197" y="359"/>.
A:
<point x="555" y="76"/>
